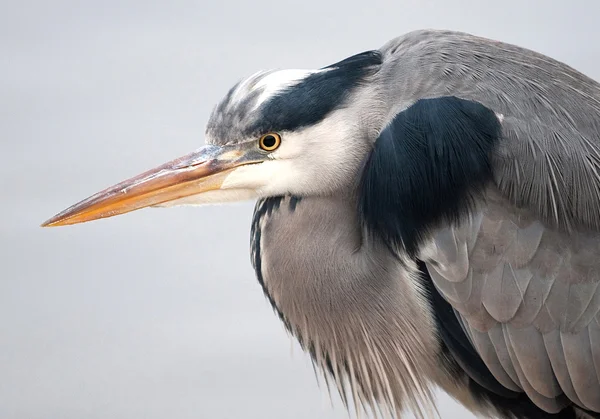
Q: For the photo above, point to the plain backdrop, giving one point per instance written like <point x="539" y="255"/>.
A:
<point x="157" y="313"/>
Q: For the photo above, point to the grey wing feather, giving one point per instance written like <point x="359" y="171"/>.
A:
<point x="553" y="170"/>
<point x="528" y="297"/>
<point x="523" y="271"/>
<point x="549" y="160"/>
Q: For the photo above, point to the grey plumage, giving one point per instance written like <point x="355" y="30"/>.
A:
<point x="370" y="319"/>
<point x="550" y="153"/>
<point x="524" y="289"/>
<point x="429" y="217"/>
<point x="528" y="296"/>
<point x="537" y="284"/>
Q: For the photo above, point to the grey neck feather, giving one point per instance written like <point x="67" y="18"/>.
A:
<point x="337" y="290"/>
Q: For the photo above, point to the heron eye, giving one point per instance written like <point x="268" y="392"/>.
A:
<point x="270" y="141"/>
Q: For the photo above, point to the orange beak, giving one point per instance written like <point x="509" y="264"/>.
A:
<point x="201" y="171"/>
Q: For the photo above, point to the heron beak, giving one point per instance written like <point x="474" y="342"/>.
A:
<point x="201" y="171"/>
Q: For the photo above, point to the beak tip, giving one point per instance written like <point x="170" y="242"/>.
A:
<point x="58" y="220"/>
<point x="52" y="222"/>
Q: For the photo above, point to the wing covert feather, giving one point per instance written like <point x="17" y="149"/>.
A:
<point x="491" y="355"/>
<point x="529" y="299"/>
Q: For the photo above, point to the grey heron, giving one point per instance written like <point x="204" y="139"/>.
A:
<point x="427" y="216"/>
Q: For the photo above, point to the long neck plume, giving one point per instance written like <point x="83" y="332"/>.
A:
<point x="355" y="307"/>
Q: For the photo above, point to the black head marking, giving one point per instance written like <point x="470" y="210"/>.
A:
<point x="427" y="167"/>
<point x="299" y="105"/>
<point x="311" y="100"/>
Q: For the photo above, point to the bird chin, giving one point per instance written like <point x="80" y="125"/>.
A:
<point x="212" y="197"/>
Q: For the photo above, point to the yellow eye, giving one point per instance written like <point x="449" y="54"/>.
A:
<point x="270" y="141"/>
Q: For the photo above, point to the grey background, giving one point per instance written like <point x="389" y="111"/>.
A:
<point x="157" y="314"/>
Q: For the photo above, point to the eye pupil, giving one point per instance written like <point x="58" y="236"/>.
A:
<point x="270" y="142"/>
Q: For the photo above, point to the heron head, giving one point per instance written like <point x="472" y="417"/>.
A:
<point x="277" y="132"/>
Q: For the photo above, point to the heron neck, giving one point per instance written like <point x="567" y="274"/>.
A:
<point x="351" y="303"/>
